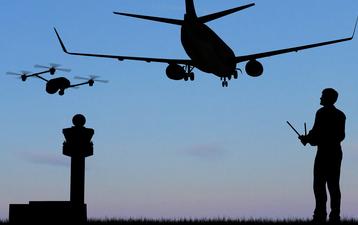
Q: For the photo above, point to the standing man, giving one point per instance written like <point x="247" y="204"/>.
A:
<point x="327" y="134"/>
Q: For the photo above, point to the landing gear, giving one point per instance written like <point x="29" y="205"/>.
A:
<point x="236" y="75"/>
<point x="191" y="76"/>
<point x="224" y="83"/>
<point x="224" y="79"/>
<point x="188" y="73"/>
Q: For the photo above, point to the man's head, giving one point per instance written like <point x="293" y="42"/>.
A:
<point x="329" y="97"/>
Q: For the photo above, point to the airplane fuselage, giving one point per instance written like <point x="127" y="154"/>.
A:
<point x="208" y="52"/>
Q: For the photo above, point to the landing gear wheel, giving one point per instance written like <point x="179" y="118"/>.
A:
<point x="191" y="76"/>
<point x="61" y="92"/>
<point x="224" y="83"/>
<point x="236" y="75"/>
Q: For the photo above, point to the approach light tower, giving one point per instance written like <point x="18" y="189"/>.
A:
<point x="78" y="146"/>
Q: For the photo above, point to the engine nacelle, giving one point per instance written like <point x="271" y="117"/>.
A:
<point x="175" y="72"/>
<point x="254" y="68"/>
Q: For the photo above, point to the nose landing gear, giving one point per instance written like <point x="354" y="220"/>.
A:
<point x="224" y="78"/>
<point x="224" y="83"/>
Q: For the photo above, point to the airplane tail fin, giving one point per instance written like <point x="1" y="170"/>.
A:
<point x="218" y="15"/>
<point x="190" y="8"/>
<point x="61" y="42"/>
<point x="152" y="18"/>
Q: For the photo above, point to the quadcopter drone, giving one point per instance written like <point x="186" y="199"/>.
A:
<point x="59" y="84"/>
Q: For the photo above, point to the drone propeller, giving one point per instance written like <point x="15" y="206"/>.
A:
<point x="23" y="73"/>
<point x="53" y="66"/>
<point x="91" y="77"/>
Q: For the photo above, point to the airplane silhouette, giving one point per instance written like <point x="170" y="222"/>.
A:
<point x="206" y="50"/>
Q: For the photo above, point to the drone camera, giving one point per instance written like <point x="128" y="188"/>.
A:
<point x="61" y="92"/>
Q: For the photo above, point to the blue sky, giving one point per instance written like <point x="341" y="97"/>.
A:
<point x="170" y="149"/>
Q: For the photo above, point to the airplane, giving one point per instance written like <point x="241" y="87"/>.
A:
<point x="206" y="50"/>
<point x="50" y="69"/>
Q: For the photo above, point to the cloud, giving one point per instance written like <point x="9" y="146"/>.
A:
<point x="207" y="151"/>
<point x="46" y="159"/>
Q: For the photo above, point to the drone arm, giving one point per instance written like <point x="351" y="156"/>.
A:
<point x="37" y="75"/>
<point x="80" y="84"/>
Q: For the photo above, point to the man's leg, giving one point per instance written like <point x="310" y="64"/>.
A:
<point x="334" y="189"/>
<point x="319" y="188"/>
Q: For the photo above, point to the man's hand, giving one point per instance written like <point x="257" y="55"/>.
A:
<point x="303" y="139"/>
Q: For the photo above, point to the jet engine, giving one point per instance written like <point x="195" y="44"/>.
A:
<point x="175" y="72"/>
<point x="254" y="68"/>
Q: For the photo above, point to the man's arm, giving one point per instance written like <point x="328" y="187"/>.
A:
<point x="342" y="128"/>
<point x="312" y="136"/>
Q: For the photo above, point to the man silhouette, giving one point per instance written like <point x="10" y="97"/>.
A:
<point x="327" y="134"/>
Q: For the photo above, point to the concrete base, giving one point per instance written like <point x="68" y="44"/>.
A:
<point x="47" y="212"/>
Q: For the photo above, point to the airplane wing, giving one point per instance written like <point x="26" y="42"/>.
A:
<point x="121" y="57"/>
<point x="293" y="49"/>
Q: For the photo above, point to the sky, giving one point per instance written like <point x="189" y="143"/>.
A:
<point x="175" y="149"/>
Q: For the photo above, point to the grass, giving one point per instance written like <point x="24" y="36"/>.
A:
<point x="205" y="222"/>
<point x="212" y="222"/>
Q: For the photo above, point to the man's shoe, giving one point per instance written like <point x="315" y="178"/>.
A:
<point x="319" y="219"/>
<point x="335" y="219"/>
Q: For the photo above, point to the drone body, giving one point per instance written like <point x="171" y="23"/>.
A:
<point x="59" y="84"/>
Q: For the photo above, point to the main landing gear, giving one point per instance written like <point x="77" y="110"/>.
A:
<point x="189" y="76"/>
<point x="189" y="73"/>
